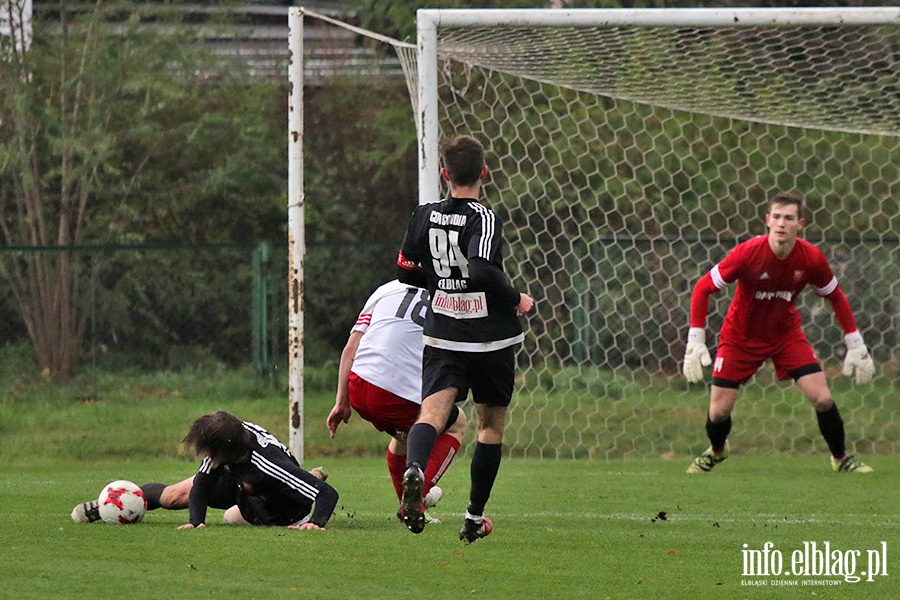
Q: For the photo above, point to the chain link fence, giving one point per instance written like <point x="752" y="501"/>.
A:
<point x="203" y="306"/>
<point x="155" y="307"/>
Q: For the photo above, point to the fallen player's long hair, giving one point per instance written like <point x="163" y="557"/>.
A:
<point x="219" y="436"/>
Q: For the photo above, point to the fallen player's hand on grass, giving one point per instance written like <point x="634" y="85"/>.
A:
<point x="307" y="525"/>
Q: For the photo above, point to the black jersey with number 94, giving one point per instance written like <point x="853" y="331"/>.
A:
<point x="458" y="243"/>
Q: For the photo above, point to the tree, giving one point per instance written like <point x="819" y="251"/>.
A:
<point x="44" y="201"/>
<point x="115" y="133"/>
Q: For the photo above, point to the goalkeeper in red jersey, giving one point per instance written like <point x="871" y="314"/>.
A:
<point x="763" y="322"/>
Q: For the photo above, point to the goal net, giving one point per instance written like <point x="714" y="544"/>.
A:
<point x="629" y="151"/>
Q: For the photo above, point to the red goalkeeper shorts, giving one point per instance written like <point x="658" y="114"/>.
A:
<point x="738" y="361"/>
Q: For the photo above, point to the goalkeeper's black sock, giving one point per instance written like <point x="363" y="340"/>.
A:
<point x="152" y="494"/>
<point x="419" y="444"/>
<point x="483" y="471"/>
<point x="718" y="432"/>
<point x="832" y="427"/>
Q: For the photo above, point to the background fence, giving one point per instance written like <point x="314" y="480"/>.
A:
<point x="196" y="306"/>
<point x="167" y="307"/>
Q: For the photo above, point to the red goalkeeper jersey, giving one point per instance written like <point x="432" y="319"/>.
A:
<point x="764" y="305"/>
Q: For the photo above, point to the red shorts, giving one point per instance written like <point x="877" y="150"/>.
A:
<point x="737" y="362"/>
<point x="386" y="411"/>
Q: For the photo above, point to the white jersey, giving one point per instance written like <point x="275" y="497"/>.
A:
<point x="390" y="351"/>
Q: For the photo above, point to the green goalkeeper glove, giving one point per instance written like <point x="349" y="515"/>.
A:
<point x="696" y="355"/>
<point x="858" y="358"/>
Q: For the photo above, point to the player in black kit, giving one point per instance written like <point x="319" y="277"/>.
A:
<point x="247" y="472"/>
<point x="471" y="328"/>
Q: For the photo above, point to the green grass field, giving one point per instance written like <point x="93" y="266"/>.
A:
<point x="614" y="529"/>
<point x="563" y="529"/>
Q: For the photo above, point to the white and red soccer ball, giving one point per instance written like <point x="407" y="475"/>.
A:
<point x="122" y="502"/>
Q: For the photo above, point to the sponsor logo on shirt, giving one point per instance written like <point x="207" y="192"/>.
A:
<point x="460" y="306"/>
<point x="782" y="295"/>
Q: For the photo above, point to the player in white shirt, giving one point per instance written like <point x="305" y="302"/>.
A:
<point x="380" y="377"/>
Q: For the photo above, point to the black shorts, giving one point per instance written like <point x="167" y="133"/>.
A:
<point x="258" y="511"/>
<point x="225" y="491"/>
<point x="228" y="492"/>
<point x="490" y="375"/>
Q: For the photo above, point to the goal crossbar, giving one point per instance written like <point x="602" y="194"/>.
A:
<point x="656" y="17"/>
<point x="428" y="21"/>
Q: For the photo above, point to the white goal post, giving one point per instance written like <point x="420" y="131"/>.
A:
<point x="297" y="197"/>
<point x="629" y="150"/>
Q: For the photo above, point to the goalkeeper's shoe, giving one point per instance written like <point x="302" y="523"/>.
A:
<point x="86" y="512"/>
<point x="412" y="507"/>
<point x="709" y="459"/>
<point x="849" y="464"/>
<point x="472" y="531"/>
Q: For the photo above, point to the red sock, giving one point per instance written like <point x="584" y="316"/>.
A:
<point x="396" y="467"/>
<point x="445" y="448"/>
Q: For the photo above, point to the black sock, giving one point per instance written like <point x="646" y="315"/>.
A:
<point x="718" y="432"/>
<point x="484" y="468"/>
<point x="419" y="444"/>
<point x="152" y="494"/>
<point x="832" y="427"/>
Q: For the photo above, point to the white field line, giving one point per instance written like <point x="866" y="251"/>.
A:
<point x="868" y="519"/>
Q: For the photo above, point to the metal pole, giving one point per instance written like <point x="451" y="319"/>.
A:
<point x="296" y="238"/>
<point x="429" y="164"/>
<point x="259" y="310"/>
